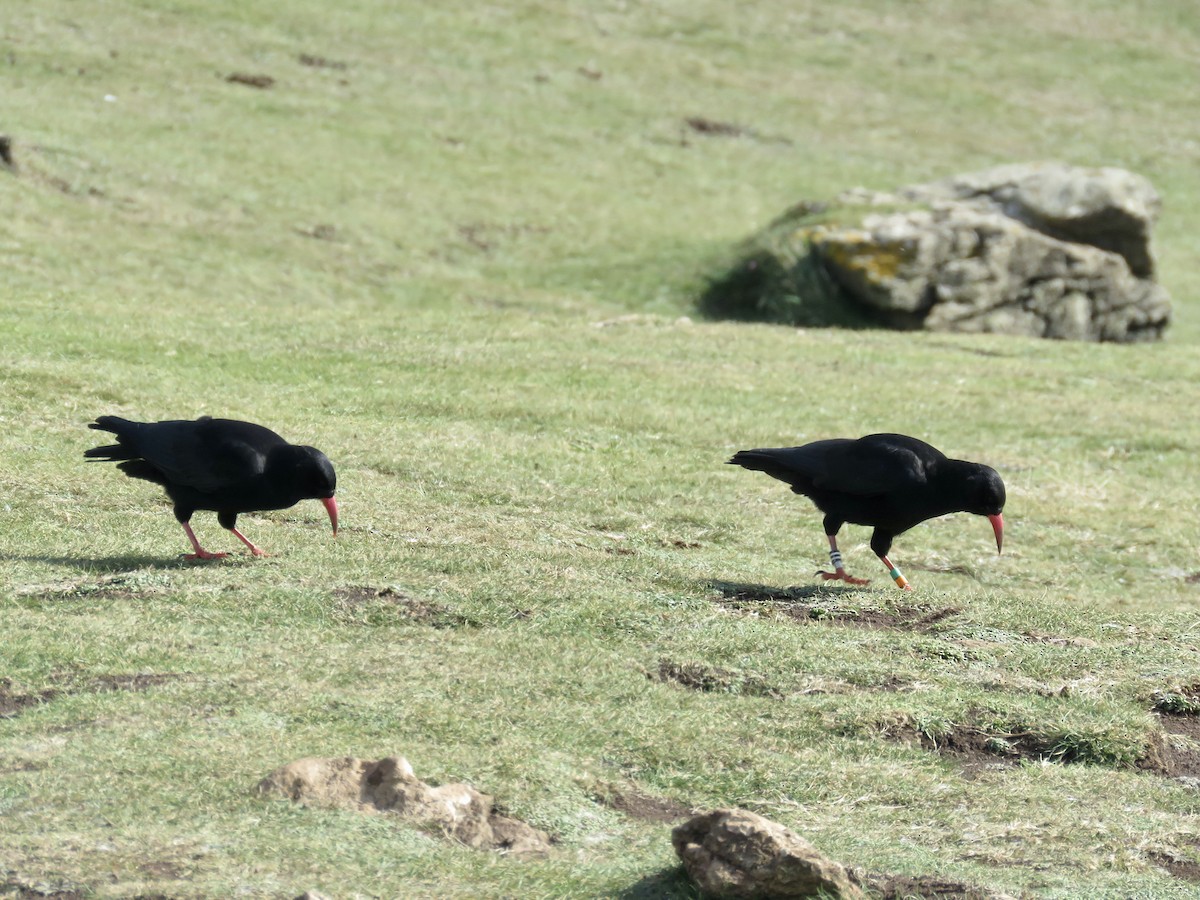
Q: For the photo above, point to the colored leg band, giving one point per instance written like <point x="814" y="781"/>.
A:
<point x="897" y="577"/>
<point x="836" y="559"/>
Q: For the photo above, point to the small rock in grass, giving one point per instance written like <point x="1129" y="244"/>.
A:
<point x="736" y="853"/>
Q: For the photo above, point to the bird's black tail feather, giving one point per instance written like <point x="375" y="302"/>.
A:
<point x="765" y="461"/>
<point x="115" y="424"/>
<point x="109" y="453"/>
<point x="112" y="452"/>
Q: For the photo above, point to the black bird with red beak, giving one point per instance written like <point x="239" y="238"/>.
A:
<point x="889" y="481"/>
<point x="223" y="465"/>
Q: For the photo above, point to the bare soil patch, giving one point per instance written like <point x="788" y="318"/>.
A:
<point x="702" y="125"/>
<point x="320" y="62"/>
<point x="23" y="766"/>
<point x="20" y="889"/>
<point x="414" y="609"/>
<point x="680" y="543"/>
<point x="927" y="887"/>
<point x="14" y="703"/>
<point x="979" y="749"/>
<point x="1174" y="758"/>
<point x="162" y="870"/>
<point x="821" y="604"/>
<point x="636" y="804"/>
<point x="709" y="128"/>
<point x="114" y="587"/>
<point x="1181" y="867"/>
<point x="701" y="677"/>
<point x="136" y="682"/>
<point x="1058" y="640"/>
<point x="262" y="82"/>
<point x="321" y="232"/>
<point x="486" y="237"/>
<point x="1174" y="751"/>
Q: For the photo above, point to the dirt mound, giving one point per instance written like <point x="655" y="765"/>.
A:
<point x="456" y="811"/>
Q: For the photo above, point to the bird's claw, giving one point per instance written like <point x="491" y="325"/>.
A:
<point x="204" y="554"/>
<point x="843" y="575"/>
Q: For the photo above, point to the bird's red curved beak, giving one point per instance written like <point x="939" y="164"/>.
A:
<point x="331" y="508"/>
<point x="998" y="526"/>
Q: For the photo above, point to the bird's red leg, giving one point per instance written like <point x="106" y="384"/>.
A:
<point x="894" y="571"/>
<point x="200" y="553"/>
<point x="839" y="572"/>
<point x="241" y="537"/>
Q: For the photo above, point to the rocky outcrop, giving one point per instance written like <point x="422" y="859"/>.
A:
<point x="457" y="811"/>
<point x="736" y="853"/>
<point x="1042" y="250"/>
<point x="1111" y="209"/>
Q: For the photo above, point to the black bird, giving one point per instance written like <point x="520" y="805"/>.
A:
<point x="890" y="481"/>
<point x="224" y="465"/>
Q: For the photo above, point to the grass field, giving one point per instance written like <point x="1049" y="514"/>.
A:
<point x="458" y="249"/>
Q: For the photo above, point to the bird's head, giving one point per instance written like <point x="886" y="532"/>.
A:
<point x="311" y="476"/>
<point x="985" y="497"/>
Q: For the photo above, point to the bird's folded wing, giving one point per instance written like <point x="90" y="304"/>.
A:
<point x="853" y="468"/>
<point x="193" y="455"/>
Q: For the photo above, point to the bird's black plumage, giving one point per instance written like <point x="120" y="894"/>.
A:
<point x="889" y="481"/>
<point x="223" y="465"/>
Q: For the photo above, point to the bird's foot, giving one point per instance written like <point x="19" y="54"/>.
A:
<point x="843" y="575"/>
<point x="249" y="543"/>
<point x="204" y="554"/>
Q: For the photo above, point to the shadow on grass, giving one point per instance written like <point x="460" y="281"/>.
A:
<point x="112" y="564"/>
<point x="736" y="590"/>
<point x="667" y="884"/>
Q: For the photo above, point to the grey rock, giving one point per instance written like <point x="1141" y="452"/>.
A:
<point x="1044" y="250"/>
<point x="736" y="853"/>
<point x="1109" y="208"/>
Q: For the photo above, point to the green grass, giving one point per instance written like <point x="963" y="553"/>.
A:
<point x="487" y="337"/>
